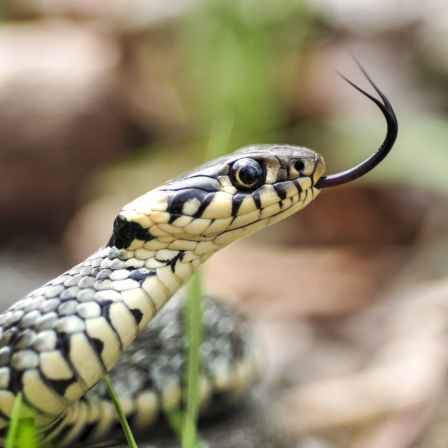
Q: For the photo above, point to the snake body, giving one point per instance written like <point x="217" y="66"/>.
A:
<point x="148" y="378"/>
<point x="62" y="338"/>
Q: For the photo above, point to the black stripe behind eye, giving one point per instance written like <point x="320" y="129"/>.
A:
<point x="236" y="203"/>
<point x="280" y="190"/>
<point x="257" y="199"/>
<point x="297" y="184"/>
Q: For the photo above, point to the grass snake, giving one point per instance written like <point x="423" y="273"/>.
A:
<point x="62" y="338"/>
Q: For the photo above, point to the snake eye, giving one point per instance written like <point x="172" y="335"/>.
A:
<point x="246" y="173"/>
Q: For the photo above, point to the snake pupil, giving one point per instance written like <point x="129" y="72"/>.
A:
<point x="247" y="173"/>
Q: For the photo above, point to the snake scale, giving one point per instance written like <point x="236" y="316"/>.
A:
<point x="61" y="339"/>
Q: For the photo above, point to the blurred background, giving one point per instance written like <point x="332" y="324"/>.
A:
<point x="102" y="101"/>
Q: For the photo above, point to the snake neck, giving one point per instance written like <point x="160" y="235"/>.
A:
<point x="82" y="322"/>
<point x="154" y="272"/>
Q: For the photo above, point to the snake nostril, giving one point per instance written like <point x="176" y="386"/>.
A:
<point x="299" y="165"/>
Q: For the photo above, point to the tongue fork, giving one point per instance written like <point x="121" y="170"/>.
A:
<point x="369" y="164"/>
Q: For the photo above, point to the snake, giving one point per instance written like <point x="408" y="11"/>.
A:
<point x="59" y="341"/>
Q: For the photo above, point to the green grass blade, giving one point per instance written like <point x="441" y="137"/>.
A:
<point x="15" y="421"/>
<point x="186" y="423"/>
<point x="22" y="433"/>
<point x="124" y="423"/>
<point x="193" y="335"/>
<point x="175" y="418"/>
<point x="27" y="437"/>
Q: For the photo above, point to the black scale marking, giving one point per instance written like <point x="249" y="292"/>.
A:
<point x="97" y="344"/>
<point x="280" y="190"/>
<point x="60" y="386"/>
<point x="236" y="203"/>
<point x="257" y="199"/>
<point x="138" y="315"/>
<point x="127" y="231"/>
<point x="141" y="274"/>
<point x="180" y="198"/>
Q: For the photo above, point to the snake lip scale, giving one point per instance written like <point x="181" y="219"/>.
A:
<point x="62" y="338"/>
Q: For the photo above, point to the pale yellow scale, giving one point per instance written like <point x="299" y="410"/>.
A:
<point x="268" y="196"/>
<point x="7" y="400"/>
<point x="144" y="254"/>
<point x="54" y="366"/>
<point x="171" y="282"/>
<point x="5" y="374"/>
<point x="79" y="419"/>
<point x="272" y="167"/>
<point x="74" y="391"/>
<point x="220" y="207"/>
<point x="181" y="244"/>
<point x="270" y="210"/>
<point x="99" y="328"/>
<point x="40" y="396"/>
<point x="85" y="360"/>
<point x="197" y="227"/>
<point x="140" y="299"/>
<point x="147" y="405"/>
<point x="156" y="290"/>
<point x="244" y="219"/>
<point x="124" y="323"/>
<point x="191" y="207"/>
<point x="219" y="225"/>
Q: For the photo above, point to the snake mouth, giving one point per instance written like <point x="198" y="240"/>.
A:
<point x="319" y="171"/>
<point x="298" y="201"/>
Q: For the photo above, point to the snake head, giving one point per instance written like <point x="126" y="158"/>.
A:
<point x="235" y="195"/>
<point x="223" y="200"/>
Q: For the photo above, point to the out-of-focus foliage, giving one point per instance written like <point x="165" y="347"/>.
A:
<point x="240" y="56"/>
